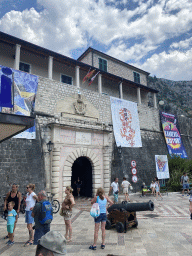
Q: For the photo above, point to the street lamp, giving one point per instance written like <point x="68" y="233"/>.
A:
<point x="162" y="103"/>
<point x="49" y="146"/>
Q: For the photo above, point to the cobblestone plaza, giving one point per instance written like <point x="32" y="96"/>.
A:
<point x="164" y="232"/>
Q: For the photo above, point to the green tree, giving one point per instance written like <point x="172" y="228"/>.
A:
<point x="177" y="166"/>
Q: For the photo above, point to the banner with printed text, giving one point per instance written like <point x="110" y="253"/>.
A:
<point x="25" y="88"/>
<point x="162" y="167"/>
<point x="172" y="135"/>
<point x="125" y="123"/>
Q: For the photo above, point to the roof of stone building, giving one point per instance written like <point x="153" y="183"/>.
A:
<point x="45" y="53"/>
<point x="90" y="49"/>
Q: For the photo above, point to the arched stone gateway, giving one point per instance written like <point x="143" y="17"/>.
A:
<point x="96" y="169"/>
<point x="71" y="144"/>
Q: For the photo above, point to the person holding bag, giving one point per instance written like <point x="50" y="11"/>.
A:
<point x="66" y="212"/>
<point x="102" y="200"/>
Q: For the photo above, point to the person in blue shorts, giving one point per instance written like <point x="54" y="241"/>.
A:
<point x="102" y="200"/>
<point x="30" y="203"/>
<point x="12" y="216"/>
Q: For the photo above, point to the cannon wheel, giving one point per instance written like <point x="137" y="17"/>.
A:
<point x="119" y="227"/>
<point x="108" y="224"/>
<point x="136" y="224"/>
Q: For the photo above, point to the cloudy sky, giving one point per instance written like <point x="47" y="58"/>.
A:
<point x="154" y="35"/>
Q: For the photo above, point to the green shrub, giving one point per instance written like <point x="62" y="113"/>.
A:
<point x="177" y="166"/>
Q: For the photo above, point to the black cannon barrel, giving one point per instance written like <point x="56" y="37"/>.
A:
<point x="133" y="207"/>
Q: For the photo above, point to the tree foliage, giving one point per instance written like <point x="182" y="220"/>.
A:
<point x="177" y="166"/>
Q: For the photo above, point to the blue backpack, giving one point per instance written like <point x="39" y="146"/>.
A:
<point x="46" y="214"/>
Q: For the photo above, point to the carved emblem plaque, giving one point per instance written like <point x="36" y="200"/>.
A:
<point x="80" y="106"/>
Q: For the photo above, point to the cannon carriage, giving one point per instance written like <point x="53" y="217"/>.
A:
<point x="123" y="216"/>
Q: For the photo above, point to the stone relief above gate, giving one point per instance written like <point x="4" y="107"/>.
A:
<point x="78" y="107"/>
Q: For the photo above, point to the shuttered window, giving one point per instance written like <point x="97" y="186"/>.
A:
<point x="103" y="64"/>
<point x="136" y="77"/>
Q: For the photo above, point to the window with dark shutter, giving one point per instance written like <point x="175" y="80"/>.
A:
<point x="103" y="64"/>
<point x="136" y="77"/>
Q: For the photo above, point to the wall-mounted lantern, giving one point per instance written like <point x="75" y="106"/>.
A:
<point x="49" y="146"/>
<point x="119" y="149"/>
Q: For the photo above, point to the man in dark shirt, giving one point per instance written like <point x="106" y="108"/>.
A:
<point x="40" y="229"/>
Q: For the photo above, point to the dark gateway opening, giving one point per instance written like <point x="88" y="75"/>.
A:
<point x="82" y="168"/>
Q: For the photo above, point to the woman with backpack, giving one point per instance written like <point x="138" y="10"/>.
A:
<point x="66" y="211"/>
<point x="102" y="200"/>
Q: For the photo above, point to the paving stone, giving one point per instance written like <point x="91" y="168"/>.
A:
<point x="163" y="236"/>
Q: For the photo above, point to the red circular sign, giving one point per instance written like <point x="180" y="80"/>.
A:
<point x="133" y="163"/>
<point x="134" y="171"/>
<point x="134" y="178"/>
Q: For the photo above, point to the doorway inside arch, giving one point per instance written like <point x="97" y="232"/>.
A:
<point x="82" y="168"/>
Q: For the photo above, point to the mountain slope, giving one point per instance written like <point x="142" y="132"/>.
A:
<point x="177" y="96"/>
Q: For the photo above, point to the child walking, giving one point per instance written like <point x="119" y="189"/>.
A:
<point x="12" y="216"/>
<point x="157" y="188"/>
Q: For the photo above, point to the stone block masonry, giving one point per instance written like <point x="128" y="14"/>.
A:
<point x="21" y="162"/>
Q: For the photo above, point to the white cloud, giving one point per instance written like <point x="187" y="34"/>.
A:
<point x="174" y="65"/>
<point x="184" y="44"/>
<point x="173" y="5"/>
<point x="136" y="52"/>
<point x="59" y="33"/>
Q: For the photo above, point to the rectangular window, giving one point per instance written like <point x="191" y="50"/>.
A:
<point x="25" y="67"/>
<point x="136" y="77"/>
<point x="66" y="79"/>
<point x="103" y="64"/>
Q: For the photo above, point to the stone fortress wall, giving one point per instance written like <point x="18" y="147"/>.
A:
<point x="24" y="161"/>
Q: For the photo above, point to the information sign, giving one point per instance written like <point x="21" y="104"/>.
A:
<point x="134" y="178"/>
<point x="134" y="171"/>
<point x="133" y="163"/>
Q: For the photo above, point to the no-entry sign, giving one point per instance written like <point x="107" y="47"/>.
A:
<point x="134" y="178"/>
<point x="134" y="171"/>
<point x="133" y="163"/>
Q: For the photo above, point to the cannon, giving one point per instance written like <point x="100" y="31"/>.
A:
<point x="123" y="215"/>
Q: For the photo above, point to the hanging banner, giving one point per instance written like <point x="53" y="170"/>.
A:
<point x="172" y="135"/>
<point x="25" y="88"/>
<point x="125" y="123"/>
<point x="162" y="167"/>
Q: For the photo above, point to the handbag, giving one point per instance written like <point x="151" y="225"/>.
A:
<point x="61" y="212"/>
<point x="95" y="210"/>
<point x="116" y="192"/>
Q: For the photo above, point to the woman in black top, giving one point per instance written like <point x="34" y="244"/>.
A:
<point x="13" y="196"/>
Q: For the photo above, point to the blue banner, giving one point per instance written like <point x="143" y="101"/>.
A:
<point x="172" y="135"/>
<point x="24" y="86"/>
<point x="6" y="88"/>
